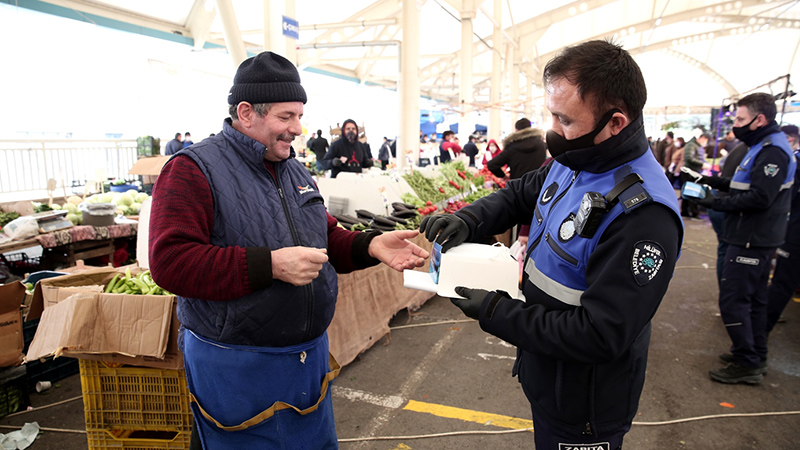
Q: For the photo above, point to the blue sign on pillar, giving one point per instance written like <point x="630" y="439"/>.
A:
<point x="290" y="28"/>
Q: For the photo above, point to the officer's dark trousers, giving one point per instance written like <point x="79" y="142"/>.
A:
<point x="743" y="302"/>
<point x="785" y="281"/>
<point x="548" y="438"/>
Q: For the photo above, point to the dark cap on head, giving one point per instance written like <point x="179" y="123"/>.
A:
<point x="349" y="121"/>
<point x="790" y="129"/>
<point x="266" y="78"/>
<point x="522" y="124"/>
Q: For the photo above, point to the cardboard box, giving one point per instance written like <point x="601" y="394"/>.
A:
<point x="149" y="166"/>
<point x="139" y="330"/>
<point x="11" y="340"/>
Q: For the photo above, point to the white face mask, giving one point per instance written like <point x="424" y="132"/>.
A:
<point x="492" y="148"/>
<point x="677" y="144"/>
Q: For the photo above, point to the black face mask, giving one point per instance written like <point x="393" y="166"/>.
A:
<point x="558" y="145"/>
<point x="741" y="133"/>
<point x="351" y="136"/>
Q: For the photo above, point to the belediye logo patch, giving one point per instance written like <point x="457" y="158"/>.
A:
<point x="305" y="189"/>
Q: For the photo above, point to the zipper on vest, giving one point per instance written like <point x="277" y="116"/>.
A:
<point x="309" y="288"/>
<point x="560" y="251"/>
<point x="574" y="175"/>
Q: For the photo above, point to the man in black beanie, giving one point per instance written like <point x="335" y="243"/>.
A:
<point x="241" y="236"/>
<point x="347" y="154"/>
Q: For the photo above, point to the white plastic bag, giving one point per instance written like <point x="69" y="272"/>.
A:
<point x="22" y="228"/>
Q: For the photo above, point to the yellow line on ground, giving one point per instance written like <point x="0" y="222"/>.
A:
<point x="468" y="415"/>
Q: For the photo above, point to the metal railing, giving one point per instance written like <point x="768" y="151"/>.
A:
<point x="26" y="165"/>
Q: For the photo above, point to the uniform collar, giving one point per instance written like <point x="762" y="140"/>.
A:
<point x="628" y="145"/>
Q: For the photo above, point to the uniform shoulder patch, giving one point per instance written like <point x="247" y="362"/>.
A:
<point x="647" y="259"/>
<point x="771" y="170"/>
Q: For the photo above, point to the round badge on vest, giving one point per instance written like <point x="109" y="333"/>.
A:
<point x="567" y="229"/>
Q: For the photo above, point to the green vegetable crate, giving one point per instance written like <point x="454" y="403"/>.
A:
<point x="13" y="392"/>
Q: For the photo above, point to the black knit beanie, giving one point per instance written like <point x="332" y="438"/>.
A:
<point x="266" y="78"/>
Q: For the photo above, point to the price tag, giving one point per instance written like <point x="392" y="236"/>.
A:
<point x="473" y="188"/>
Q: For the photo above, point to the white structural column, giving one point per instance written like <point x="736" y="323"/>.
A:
<point x="466" y="120"/>
<point x="274" y="41"/>
<point x="513" y="83"/>
<point x="496" y="87"/>
<point x="408" y="141"/>
<point x="529" y="92"/>
<point x="291" y="44"/>
<point x="230" y="29"/>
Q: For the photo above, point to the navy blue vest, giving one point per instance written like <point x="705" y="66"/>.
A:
<point x="557" y="256"/>
<point x="741" y="179"/>
<point x="251" y="209"/>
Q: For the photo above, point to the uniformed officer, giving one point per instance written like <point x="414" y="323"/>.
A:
<point x="605" y="235"/>
<point x="756" y="216"/>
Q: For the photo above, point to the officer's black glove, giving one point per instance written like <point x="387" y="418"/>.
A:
<point x="452" y="230"/>
<point x="471" y="304"/>
<point x="695" y="175"/>
<point x="707" y="201"/>
<point x="714" y="182"/>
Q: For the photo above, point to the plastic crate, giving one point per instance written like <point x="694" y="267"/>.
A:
<point x="20" y="263"/>
<point x="134" y="398"/>
<point x="13" y="394"/>
<point x="137" y="439"/>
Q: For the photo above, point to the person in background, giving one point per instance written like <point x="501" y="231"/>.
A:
<point x="728" y="144"/>
<point x="320" y="148"/>
<point x="448" y="147"/>
<point x="241" y="235"/>
<point x="384" y="152"/>
<point x="347" y="154"/>
<point x="524" y="151"/>
<point x="309" y="142"/>
<point x="786" y="278"/>
<point x="187" y="139"/>
<point x="471" y="150"/>
<point x="594" y="276"/>
<point x="792" y="136"/>
<point x="676" y="161"/>
<point x="660" y="149"/>
<point x="424" y="139"/>
<point x="756" y="217"/>
<point x="694" y="159"/>
<point x="174" y="146"/>
<point x="491" y="152"/>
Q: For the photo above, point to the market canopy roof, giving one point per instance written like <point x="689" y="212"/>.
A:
<point x="692" y="52"/>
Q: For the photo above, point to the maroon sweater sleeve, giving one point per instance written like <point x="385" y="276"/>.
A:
<point x="182" y="259"/>
<point x="349" y="250"/>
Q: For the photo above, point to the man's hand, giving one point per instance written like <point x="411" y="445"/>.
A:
<point x="697" y="176"/>
<point x="471" y="303"/>
<point x="394" y="250"/>
<point x="451" y="230"/>
<point x="298" y="265"/>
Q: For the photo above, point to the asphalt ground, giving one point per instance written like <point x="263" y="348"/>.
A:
<point x="442" y="377"/>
